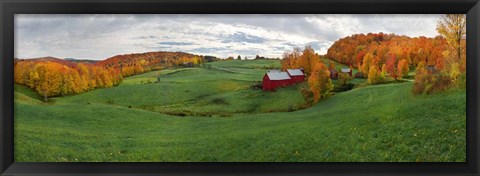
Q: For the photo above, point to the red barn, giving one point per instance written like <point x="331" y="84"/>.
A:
<point x="275" y="78"/>
<point x="296" y="75"/>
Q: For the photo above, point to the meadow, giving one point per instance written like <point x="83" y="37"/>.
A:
<point x="216" y="113"/>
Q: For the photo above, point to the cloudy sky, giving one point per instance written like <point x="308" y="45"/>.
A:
<point x="102" y="36"/>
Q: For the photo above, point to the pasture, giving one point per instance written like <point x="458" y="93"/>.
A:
<point x="214" y="113"/>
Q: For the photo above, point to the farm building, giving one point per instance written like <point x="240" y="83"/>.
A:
<point x="333" y="74"/>
<point x="276" y="78"/>
<point x="347" y="70"/>
<point x="273" y="79"/>
<point x="296" y="75"/>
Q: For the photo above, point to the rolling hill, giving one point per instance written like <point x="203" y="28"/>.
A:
<point x="212" y="113"/>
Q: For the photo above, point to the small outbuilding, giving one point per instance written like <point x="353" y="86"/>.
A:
<point x="347" y="70"/>
<point x="333" y="74"/>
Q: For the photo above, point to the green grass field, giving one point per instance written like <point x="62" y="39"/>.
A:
<point x="215" y="115"/>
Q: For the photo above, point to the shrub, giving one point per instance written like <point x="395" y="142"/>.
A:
<point x="344" y="78"/>
<point x="307" y="95"/>
<point x="428" y="82"/>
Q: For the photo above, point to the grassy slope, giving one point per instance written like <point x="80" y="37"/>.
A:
<point x="221" y="90"/>
<point x="376" y="123"/>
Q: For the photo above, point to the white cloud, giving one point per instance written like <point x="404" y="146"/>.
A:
<point x="102" y="36"/>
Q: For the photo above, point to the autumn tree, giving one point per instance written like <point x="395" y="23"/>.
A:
<point x="374" y="75"/>
<point x="49" y="79"/>
<point x="402" y="68"/>
<point x="291" y="59"/>
<point x="365" y="50"/>
<point x="367" y="60"/>
<point x="421" y="76"/>
<point x="308" y="59"/>
<point x="138" y="69"/>
<point x="319" y="81"/>
<point x="391" y="66"/>
<point x="344" y="78"/>
<point x="383" y="72"/>
<point x="453" y="28"/>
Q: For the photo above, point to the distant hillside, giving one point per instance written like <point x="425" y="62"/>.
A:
<point x="132" y="64"/>
<point x="81" y="60"/>
<point x="48" y="59"/>
<point x="148" y="59"/>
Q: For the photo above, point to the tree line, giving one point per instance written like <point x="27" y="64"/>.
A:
<point x="52" y="77"/>
<point x="439" y="62"/>
<point x="132" y="64"/>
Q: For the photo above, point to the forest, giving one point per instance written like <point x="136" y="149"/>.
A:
<point x="439" y="63"/>
<point x="53" y="77"/>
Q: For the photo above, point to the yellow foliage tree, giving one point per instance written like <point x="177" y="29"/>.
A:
<point x="374" y="75"/>
<point x="319" y="81"/>
<point x="49" y="79"/>
<point x="421" y="77"/>
<point x="453" y="28"/>
<point x="308" y="60"/>
<point x="367" y="61"/>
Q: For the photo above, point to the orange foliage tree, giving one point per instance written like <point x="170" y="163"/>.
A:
<point x="366" y="50"/>
<point x="305" y="59"/>
<point x="402" y="68"/>
<point x="51" y="79"/>
<point x="319" y="81"/>
<point x="390" y="66"/>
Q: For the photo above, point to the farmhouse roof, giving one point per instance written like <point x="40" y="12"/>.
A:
<point x="295" y="72"/>
<point x="278" y="75"/>
<point x="345" y="70"/>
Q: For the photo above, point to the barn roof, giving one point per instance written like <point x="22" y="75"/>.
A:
<point x="273" y="71"/>
<point x="345" y="70"/>
<point x="295" y="72"/>
<point x="278" y="75"/>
